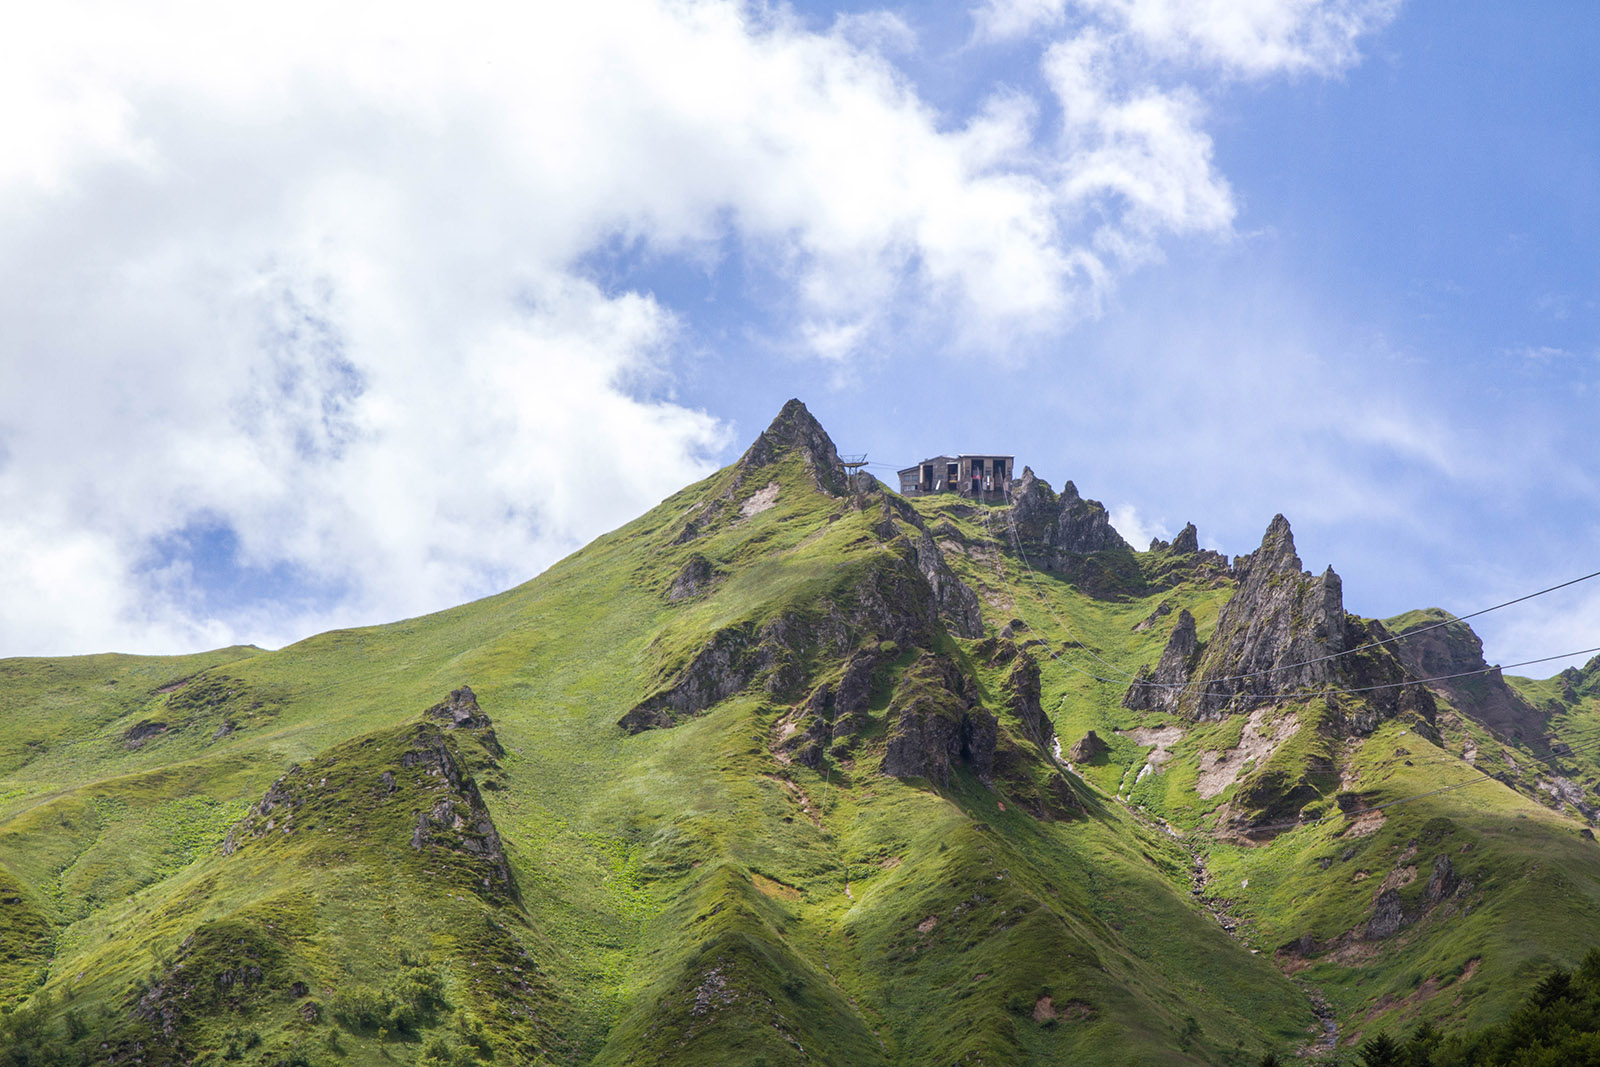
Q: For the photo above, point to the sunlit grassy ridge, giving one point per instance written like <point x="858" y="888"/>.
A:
<point x="684" y="895"/>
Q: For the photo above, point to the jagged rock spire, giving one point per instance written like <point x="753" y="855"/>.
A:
<point x="1271" y="639"/>
<point x="796" y="430"/>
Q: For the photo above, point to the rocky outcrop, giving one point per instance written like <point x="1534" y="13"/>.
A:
<point x="1161" y="689"/>
<point x="1443" y="882"/>
<point x="935" y="723"/>
<point x="1070" y="536"/>
<point x="140" y="732"/>
<point x="1086" y="748"/>
<point x="1023" y="700"/>
<point x="1389" y="913"/>
<point x="696" y="577"/>
<point x="1434" y="643"/>
<point x="1059" y="526"/>
<point x="1388" y="916"/>
<point x="835" y="712"/>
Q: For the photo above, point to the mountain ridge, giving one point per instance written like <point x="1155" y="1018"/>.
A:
<point x="774" y="772"/>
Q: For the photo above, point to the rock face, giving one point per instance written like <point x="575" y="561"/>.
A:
<point x="958" y="605"/>
<point x="934" y="723"/>
<point x="1435" y="650"/>
<point x="1161" y="689"/>
<point x="834" y="714"/>
<point x="1272" y="638"/>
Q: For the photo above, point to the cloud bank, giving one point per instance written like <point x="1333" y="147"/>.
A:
<point x="299" y="295"/>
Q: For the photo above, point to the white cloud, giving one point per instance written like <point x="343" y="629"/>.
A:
<point x="1004" y="20"/>
<point x="1250" y="38"/>
<point x="1241" y="38"/>
<point x="1135" y="528"/>
<point x="316" y="274"/>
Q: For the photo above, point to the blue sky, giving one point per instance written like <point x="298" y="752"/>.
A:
<point x="323" y="318"/>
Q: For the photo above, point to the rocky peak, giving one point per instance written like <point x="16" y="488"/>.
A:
<point x="1187" y="542"/>
<point x="796" y="430"/>
<point x="1271" y="638"/>
<point x="1068" y="534"/>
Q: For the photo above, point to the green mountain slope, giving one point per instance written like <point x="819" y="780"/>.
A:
<point x="772" y="776"/>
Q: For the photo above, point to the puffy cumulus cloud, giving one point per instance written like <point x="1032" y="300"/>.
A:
<point x="314" y="277"/>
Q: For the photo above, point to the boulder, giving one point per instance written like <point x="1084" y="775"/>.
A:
<point x="1087" y="748"/>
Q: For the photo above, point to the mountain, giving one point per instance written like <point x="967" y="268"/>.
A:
<point x="789" y="770"/>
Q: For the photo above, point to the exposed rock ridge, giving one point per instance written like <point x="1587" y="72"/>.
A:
<point x="958" y="604"/>
<point x="426" y="771"/>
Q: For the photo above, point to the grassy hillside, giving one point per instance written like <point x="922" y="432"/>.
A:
<point x="689" y="890"/>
